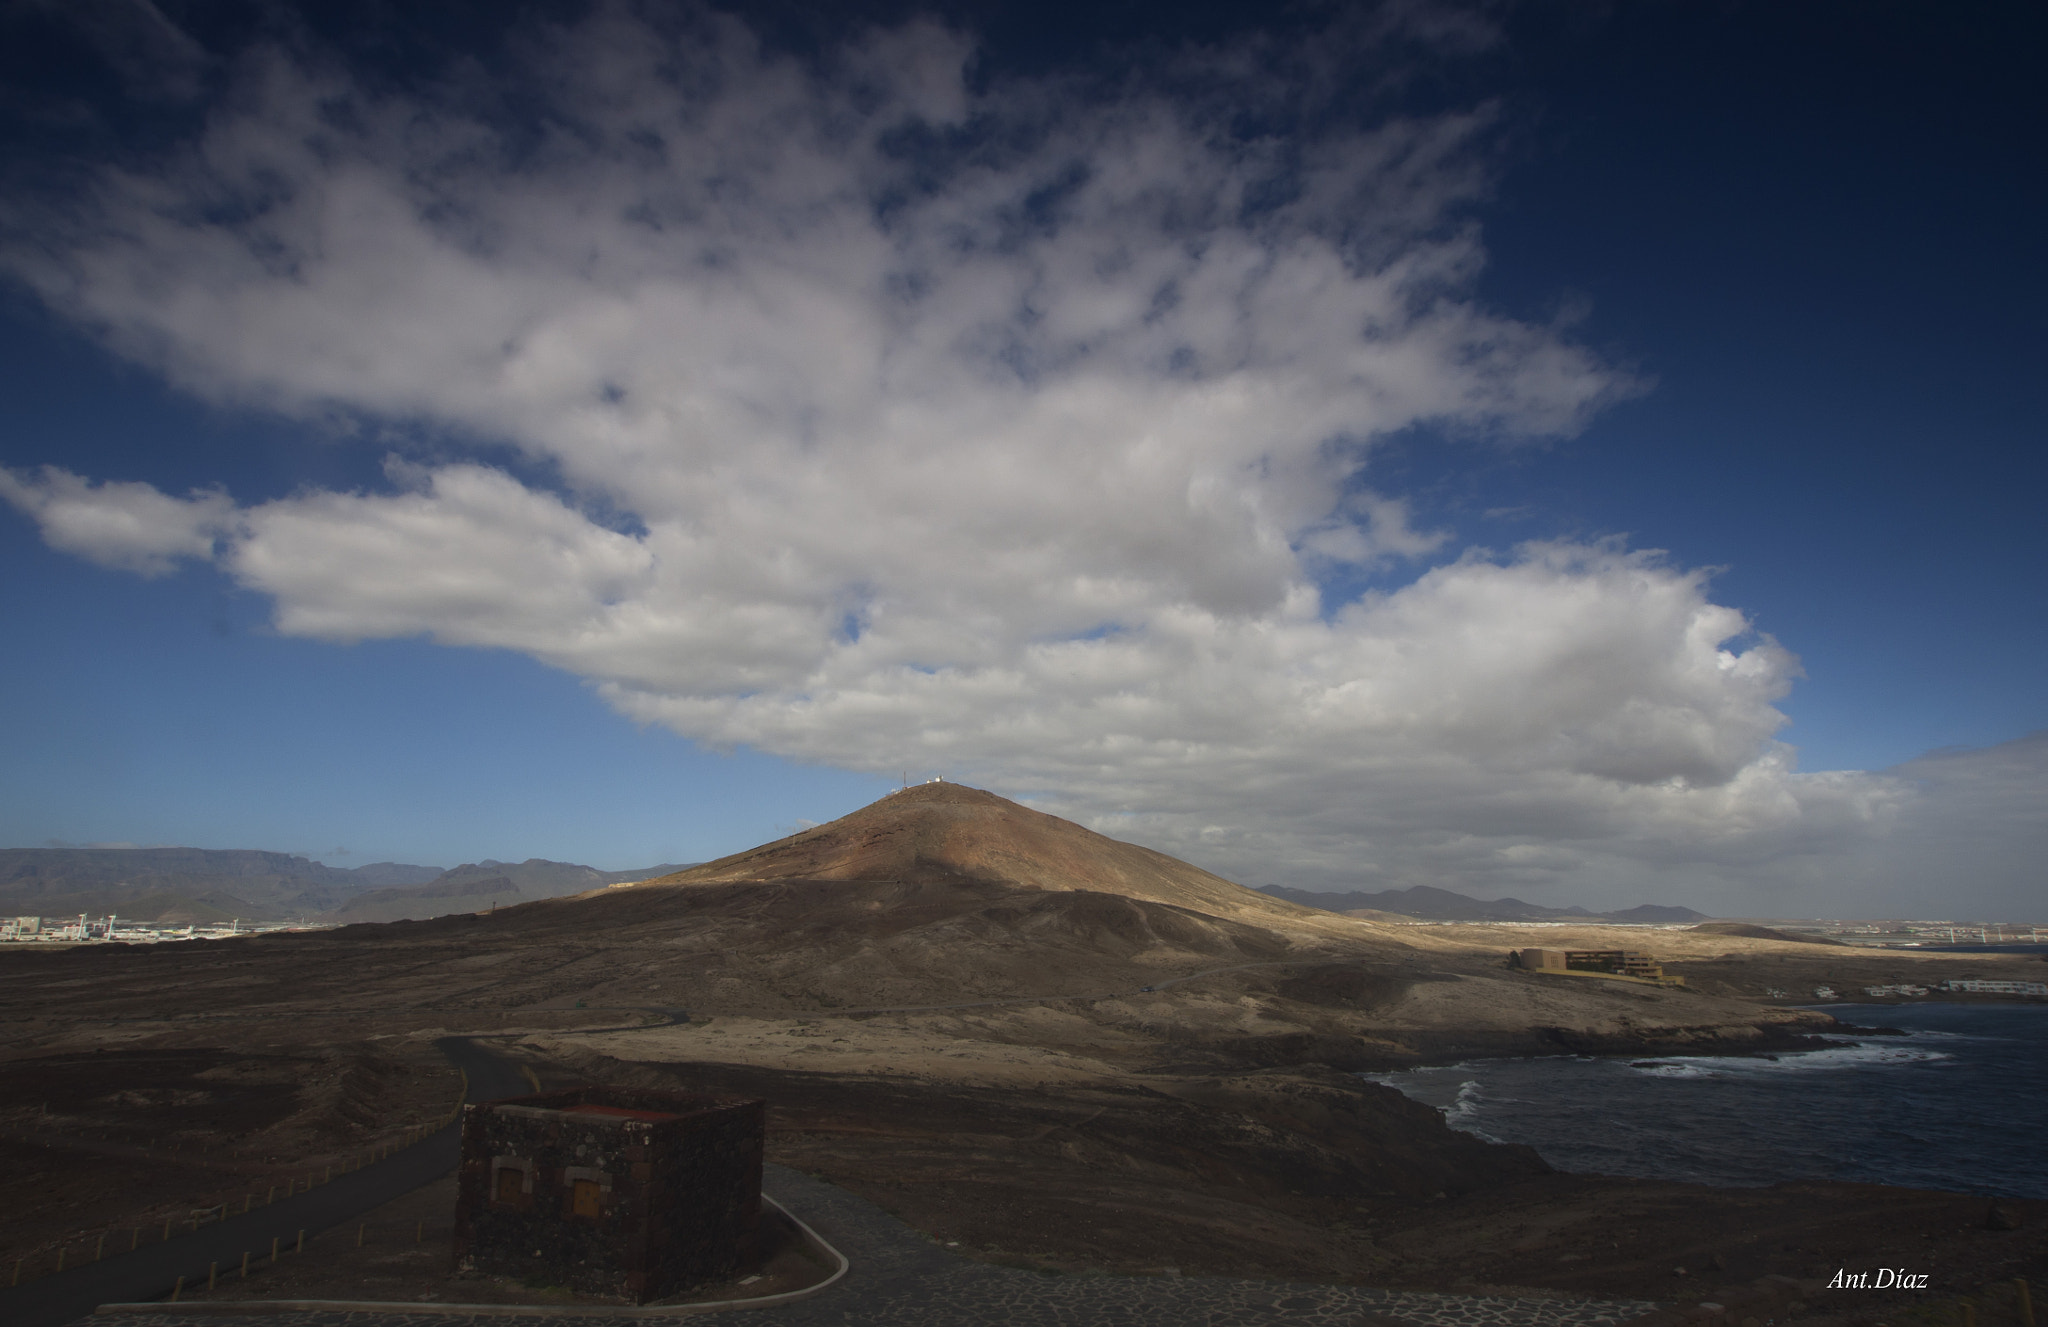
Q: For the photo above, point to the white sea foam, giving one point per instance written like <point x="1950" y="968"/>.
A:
<point x="1467" y="1103"/>
<point x="1852" y="1055"/>
<point x="1462" y="1113"/>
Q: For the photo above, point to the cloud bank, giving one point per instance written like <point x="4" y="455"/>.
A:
<point x="865" y="414"/>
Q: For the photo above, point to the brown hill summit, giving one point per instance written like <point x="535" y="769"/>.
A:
<point x="932" y="895"/>
<point x="936" y="833"/>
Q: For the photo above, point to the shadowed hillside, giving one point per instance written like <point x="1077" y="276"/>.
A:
<point x="475" y="886"/>
<point x="1752" y="932"/>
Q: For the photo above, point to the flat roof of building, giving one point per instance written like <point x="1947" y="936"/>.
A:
<point x="621" y="1112"/>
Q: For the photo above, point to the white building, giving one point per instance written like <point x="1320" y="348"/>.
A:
<point x="1999" y="987"/>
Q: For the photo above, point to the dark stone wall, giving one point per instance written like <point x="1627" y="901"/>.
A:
<point x="676" y="1204"/>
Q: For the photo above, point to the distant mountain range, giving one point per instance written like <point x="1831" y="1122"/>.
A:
<point x="1424" y="903"/>
<point x="179" y="885"/>
<point x="186" y="884"/>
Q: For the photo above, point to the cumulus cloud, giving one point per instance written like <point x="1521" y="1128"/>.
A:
<point x="893" y="421"/>
<point x="128" y="526"/>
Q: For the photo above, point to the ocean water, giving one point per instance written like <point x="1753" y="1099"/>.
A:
<point x="1956" y="1104"/>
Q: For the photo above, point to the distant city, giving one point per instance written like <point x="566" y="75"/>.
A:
<point x="84" y="929"/>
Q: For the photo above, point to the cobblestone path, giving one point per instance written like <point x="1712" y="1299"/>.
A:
<point x="902" y="1279"/>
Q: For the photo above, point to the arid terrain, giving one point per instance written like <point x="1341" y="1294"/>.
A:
<point x="1051" y="1047"/>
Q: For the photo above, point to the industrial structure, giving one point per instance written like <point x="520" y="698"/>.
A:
<point x="1624" y="963"/>
<point x="610" y="1191"/>
<point x="87" y="929"/>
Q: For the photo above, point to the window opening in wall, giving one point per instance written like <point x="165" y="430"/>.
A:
<point x="583" y="1201"/>
<point x="510" y="1182"/>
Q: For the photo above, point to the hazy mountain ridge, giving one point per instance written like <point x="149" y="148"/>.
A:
<point x="187" y="884"/>
<point x="1426" y="903"/>
<point x="179" y="885"/>
<point x="69" y="870"/>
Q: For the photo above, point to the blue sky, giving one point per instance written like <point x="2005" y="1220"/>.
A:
<point x="168" y="712"/>
<point x="1249" y="437"/>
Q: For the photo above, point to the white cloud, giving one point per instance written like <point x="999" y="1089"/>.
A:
<point x="898" y="423"/>
<point x="128" y="526"/>
<point x="471" y="557"/>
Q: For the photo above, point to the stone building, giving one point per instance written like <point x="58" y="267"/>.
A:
<point x="610" y="1191"/>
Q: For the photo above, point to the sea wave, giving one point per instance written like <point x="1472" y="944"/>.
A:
<point x="1467" y="1102"/>
<point x="1853" y="1055"/>
<point x="1934" y="1034"/>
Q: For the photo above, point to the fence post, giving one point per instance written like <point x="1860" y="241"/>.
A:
<point x="302" y="1249"/>
<point x="100" y="1250"/>
<point x="60" y="1258"/>
<point x="212" y="1274"/>
<point x="273" y="1250"/>
<point x="167" y="1228"/>
<point x="359" y="1235"/>
<point x="245" y="1264"/>
<point x="177" y="1290"/>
